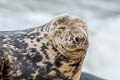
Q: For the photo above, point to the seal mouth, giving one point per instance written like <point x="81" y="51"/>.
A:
<point x="78" y="50"/>
<point x="74" y="48"/>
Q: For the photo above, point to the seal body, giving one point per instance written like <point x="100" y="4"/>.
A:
<point x="43" y="53"/>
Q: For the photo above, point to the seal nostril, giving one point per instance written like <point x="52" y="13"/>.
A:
<point x="78" y="39"/>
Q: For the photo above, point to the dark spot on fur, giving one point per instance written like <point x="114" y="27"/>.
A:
<point x="48" y="43"/>
<point x="59" y="75"/>
<point x="38" y="39"/>
<point x="37" y="57"/>
<point x="43" y="49"/>
<point x="33" y="49"/>
<point x="5" y="69"/>
<point x="42" y="27"/>
<point x="55" y="49"/>
<point x="41" y="38"/>
<point x="31" y="41"/>
<point x="49" y="65"/>
<point x="58" y="64"/>
<point x="46" y="36"/>
<point x="75" y="64"/>
<point x="62" y="58"/>
<point x="35" y="45"/>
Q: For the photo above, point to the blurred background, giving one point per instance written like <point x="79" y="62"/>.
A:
<point x="101" y="16"/>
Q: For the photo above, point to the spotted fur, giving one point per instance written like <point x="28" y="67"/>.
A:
<point x="49" y="52"/>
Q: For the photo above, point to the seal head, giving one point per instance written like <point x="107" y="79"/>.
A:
<point x="70" y="35"/>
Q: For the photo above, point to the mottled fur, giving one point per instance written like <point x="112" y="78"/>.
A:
<point x="49" y="52"/>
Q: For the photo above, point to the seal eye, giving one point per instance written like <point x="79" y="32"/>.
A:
<point x="62" y="28"/>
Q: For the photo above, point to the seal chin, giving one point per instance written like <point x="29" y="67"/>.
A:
<point x="76" y="55"/>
